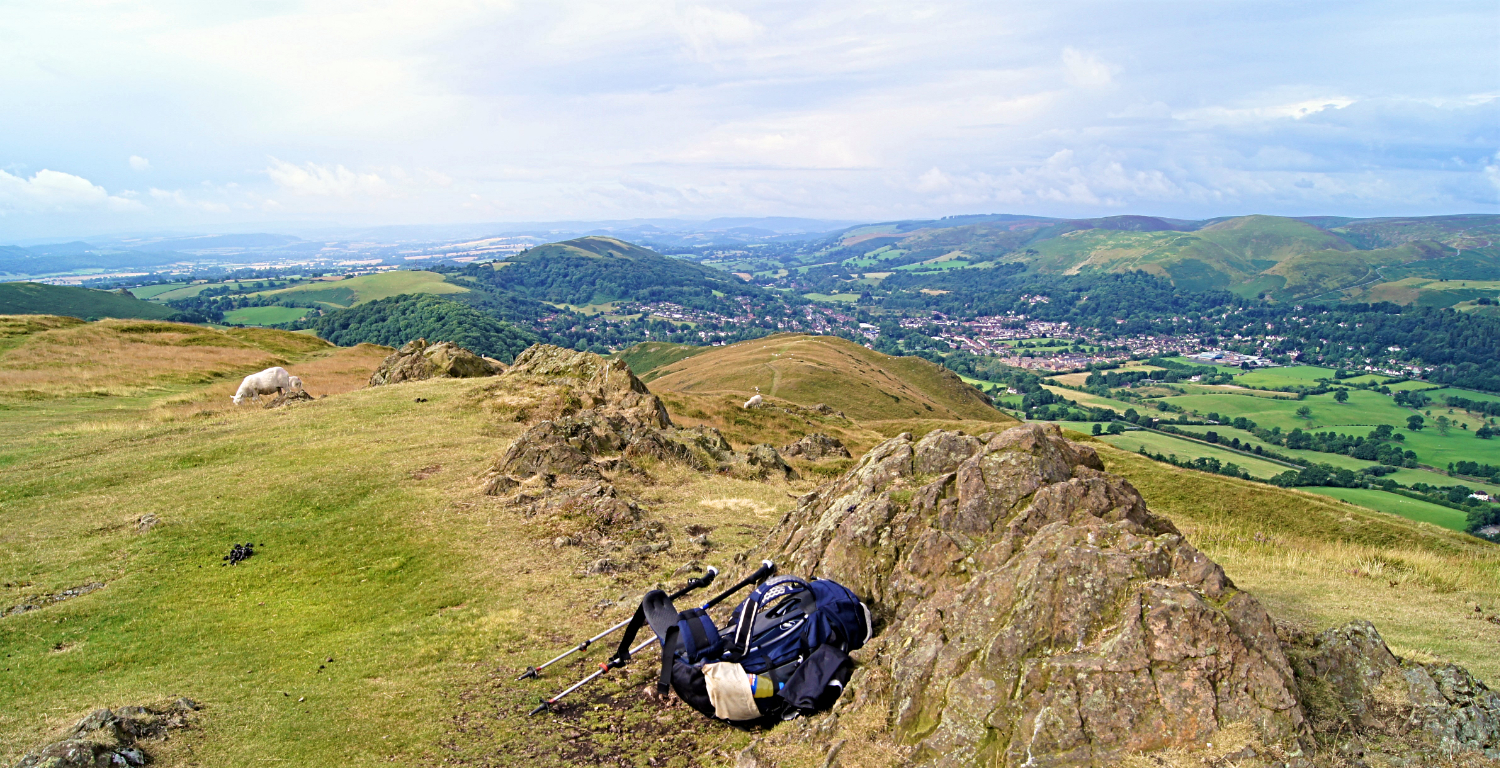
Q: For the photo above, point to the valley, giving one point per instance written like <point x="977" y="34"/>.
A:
<point x="377" y="549"/>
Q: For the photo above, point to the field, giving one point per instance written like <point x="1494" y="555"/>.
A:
<point x="390" y="604"/>
<point x="1156" y="442"/>
<point x="358" y="290"/>
<point x="264" y="315"/>
<point x="1403" y="476"/>
<point x="1411" y="509"/>
<point x="834" y="298"/>
<point x="1364" y="409"/>
<point x="151" y="291"/>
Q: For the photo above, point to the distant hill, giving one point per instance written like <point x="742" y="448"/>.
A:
<point x="595" y="270"/>
<point x="1283" y="258"/>
<point x="812" y="370"/>
<point x="364" y="288"/>
<point x="85" y="303"/>
<point x="399" y="319"/>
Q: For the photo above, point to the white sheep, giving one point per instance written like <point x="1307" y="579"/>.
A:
<point x="296" y="384"/>
<point x="752" y="402"/>
<point x="270" y="381"/>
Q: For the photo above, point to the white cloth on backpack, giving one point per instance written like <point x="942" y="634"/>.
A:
<point x="729" y="690"/>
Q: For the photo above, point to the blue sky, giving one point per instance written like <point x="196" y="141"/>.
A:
<point x="126" y="116"/>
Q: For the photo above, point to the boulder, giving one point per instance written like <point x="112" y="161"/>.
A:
<point x="579" y="381"/>
<point x="1036" y="612"/>
<point x="816" y="446"/>
<point x="1353" y="685"/>
<point x="420" y="360"/>
<point x="287" y="398"/>
<point x="109" y="737"/>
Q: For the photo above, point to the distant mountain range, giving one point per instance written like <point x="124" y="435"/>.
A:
<point x="1277" y="257"/>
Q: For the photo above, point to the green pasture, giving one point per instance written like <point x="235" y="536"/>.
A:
<point x="1363" y="409"/>
<point x="834" y="298"/>
<point x="1411" y="509"/>
<point x="264" y="315"/>
<point x="152" y="291"/>
<point x="365" y="288"/>
<point x="1289" y="376"/>
<point x="1156" y="442"/>
<point x="1092" y="400"/>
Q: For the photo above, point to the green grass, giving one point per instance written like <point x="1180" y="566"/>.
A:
<point x="1404" y="476"/>
<point x="835" y="298"/>
<point x="364" y="288"/>
<point x="1280" y="378"/>
<point x="1436" y="450"/>
<point x="1363" y="409"/>
<point x="264" y="315"/>
<point x="69" y="301"/>
<point x="150" y="291"/>
<point x="651" y="355"/>
<point x="1187" y="449"/>
<point x="1092" y="400"/>
<point x="1411" y="509"/>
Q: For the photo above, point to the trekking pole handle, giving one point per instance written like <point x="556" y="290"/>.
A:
<point x="697" y="582"/>
<point x="766" y="569"/>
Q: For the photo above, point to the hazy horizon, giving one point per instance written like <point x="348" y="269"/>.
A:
<point x="173" y="116"/>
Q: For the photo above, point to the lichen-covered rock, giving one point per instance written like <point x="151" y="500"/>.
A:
<point x="287" y="398"/>
<point x="581" y="381"/>
<point x="109" y="737"/>
<point x="761" y="461"/>
<point x="816" y="446"/>
<point x="1354" y="686"/>
<point x="419" y="360"/>
<point x="1037" y="613"/>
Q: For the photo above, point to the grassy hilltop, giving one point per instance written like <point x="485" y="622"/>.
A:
<point x="377" y="550"/>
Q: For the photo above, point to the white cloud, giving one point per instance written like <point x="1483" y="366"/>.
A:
<point x="1086" y="69"/>
<point x="138" y="163"/>
<point x="49" y="191"/>
<point x="318" y="180"/>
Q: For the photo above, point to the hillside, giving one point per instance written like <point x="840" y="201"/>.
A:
<point x="366" y="288"/>
<point x="813" y="370"/>
<point x="1283" y="258"/>
<point x="595" y="270"/>
<point x="399" y="319"/>
<point x="391" y="603"/>
<point x="85" y="303"/>
<point x="647" y="356"/>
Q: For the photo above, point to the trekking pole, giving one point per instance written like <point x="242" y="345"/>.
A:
<point x="696" y="582"/>
<point x="767" y="568"/>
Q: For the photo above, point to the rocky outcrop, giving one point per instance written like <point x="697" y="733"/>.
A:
<point x="554" y="382"/>
<point x="1368" y="704"/>
<point x="110" y="737"/>
<point x="1036" y="613"/>
<point x="420" y="360"/>
<point x="816" y="446"/>
<point x="590" y="421"/>
<point x="287" y="398"/>
<point x="599" y="417"/>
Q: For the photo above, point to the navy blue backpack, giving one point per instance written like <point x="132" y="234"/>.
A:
<point x="796" y="633"/>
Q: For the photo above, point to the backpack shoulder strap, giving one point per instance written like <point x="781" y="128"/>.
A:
<point x="656" y="609"/>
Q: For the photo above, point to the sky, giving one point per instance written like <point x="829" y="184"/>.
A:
<point x="149" y="116"/>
